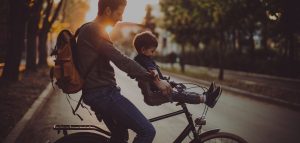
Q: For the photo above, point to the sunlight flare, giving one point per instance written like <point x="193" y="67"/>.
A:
<point x="108" y="29"/>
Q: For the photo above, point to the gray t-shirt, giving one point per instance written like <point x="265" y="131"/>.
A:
<point x="91" y="46"/>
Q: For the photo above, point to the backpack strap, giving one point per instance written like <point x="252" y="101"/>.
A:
<point x="88" y="70"/>
<point x="84" y="77"/>
<point x="78" y="30"/>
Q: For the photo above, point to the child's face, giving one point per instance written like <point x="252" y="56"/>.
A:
<point x="149" y="51"/>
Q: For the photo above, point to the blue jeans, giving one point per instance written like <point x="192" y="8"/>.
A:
<point x="119" y="115"/>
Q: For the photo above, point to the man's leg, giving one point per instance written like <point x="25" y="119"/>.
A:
<point x="100" y="101"/>
<point x="126" y="115"/>
<point x="119" y="134"/>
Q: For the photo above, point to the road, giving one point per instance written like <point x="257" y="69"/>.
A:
<point x="256" y="121"/>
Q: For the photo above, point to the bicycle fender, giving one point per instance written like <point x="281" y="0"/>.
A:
<point x="208" y="132"/>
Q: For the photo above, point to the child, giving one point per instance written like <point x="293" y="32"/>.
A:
<point x="146" y="44"/>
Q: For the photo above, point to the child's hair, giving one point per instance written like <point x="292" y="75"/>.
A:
<point x="144" y="40"/>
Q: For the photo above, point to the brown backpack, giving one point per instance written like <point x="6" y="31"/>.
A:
<point x="66" y="70"/>
<point x="66" y="66"/>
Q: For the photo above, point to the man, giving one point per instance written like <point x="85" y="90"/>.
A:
<point x="100" y="90"/>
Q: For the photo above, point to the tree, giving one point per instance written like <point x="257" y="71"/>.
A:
<point x="286" y="24"/>
<point x="176" y="19"/>
<point x="17" y="19"/>
<point x="72" y="15"/>
<point x="36" y="7"/>
<point x="212" y="22"/>
<point x="45" y="17"/>
<point x="149" y="20"/>
<point x="47" y="23"/>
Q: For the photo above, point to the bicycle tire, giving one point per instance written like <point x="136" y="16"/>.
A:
<point x="221" y="137"/>
<point x="82" y="137"/>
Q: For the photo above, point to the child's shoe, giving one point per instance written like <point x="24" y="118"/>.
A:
<point x="212" y="97"/>
<point x="211" y="88"/>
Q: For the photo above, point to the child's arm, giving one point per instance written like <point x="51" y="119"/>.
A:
<point x="163" y="85"/>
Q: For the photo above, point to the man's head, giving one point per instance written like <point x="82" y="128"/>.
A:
<point x="111" y="10"/>
<point x="145" y="43"/>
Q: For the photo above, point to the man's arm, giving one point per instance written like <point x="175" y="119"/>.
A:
<point x="106" y="48"/>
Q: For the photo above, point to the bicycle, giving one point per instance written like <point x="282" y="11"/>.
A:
<point x="194" y="127"/>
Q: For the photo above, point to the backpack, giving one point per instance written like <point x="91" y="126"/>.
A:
<point x="66" y="68"/>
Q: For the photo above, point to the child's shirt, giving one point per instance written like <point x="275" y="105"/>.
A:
<point x="149" y="64"/>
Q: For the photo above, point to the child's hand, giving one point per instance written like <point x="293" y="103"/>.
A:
<point x="164" y="87"/>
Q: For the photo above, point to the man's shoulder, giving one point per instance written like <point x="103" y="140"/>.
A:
<point x="92" y="30"/>
<point x="90" y="27"/>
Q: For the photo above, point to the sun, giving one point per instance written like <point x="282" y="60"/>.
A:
<point x="134" y="11"/>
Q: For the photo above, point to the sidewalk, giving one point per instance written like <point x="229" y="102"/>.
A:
<point x="278" y="90"/>
<point x="214" y="72"/>
<point x="20" y="99"/>
<point x="34" y="109"/>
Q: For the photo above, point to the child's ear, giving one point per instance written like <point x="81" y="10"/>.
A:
<point x="142" y="49"/>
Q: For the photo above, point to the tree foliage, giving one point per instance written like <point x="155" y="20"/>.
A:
<point x="232" y="25"/>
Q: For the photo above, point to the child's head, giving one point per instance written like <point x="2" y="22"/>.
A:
<point x="145" y="43"/>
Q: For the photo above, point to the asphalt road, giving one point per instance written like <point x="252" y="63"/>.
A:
<point x="256" y="121"/>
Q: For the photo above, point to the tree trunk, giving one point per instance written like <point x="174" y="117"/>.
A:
<point x="264" y="36"/>
<point x="43" y="54"/>
<point x="252" y="45"/>
<point x="237" y="42"/>
<point x="17" y="22"/>
<point x="32" y="35"/>
<point x="286" y="48"/>
<point x="291" y="47"/>
<point x="182" y="59"/>
<point x="31" y="48"/>
<point x="47" y="24"/>
<point x="221" y="55"/>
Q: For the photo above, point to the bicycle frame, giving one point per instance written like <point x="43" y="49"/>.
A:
<point x="189" y="128"/>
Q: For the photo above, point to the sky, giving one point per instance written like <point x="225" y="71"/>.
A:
<point x="134" y="11"/>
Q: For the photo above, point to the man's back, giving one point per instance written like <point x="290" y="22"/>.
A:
<point x="102" y="73"/>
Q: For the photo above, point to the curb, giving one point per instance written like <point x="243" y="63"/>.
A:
<point x="236" y="90"/>
<point x="35" y="108"/>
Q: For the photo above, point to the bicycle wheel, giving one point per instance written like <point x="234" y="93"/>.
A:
<point x="83" y="137"/>
<point x="221" y="137"/>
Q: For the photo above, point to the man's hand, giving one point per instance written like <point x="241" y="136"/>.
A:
<point x="164" y="87"/>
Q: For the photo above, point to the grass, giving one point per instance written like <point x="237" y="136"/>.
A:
<point x="265" y="90"/>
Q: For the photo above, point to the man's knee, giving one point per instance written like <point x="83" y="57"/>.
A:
<point x="149" y="132"/>
<point x="152" y="132"/>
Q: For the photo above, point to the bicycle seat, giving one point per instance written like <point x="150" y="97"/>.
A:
<point x="151" y="98"/>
